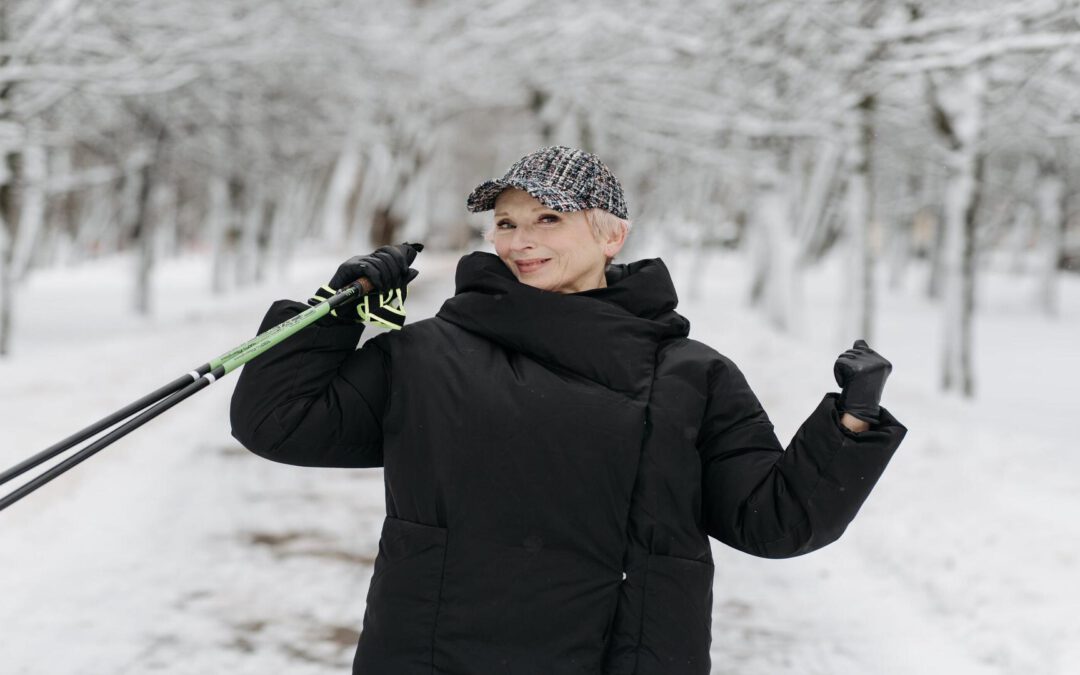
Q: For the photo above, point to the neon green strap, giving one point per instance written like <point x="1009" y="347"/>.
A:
<point x="383" y="309"/>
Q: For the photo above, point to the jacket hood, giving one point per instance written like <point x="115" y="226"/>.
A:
<point x="607" y="335"/>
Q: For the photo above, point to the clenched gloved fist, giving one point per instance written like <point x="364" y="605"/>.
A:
<point x="861" y="373"/>
<point x="387" y="268"/>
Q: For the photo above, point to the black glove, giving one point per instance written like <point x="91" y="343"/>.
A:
<point x="861" y="373"/>
<point x="387" y="268"/>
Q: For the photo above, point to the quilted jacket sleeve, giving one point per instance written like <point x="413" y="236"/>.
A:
<point x="314" y="399"/>
<point x="777" y="503"/>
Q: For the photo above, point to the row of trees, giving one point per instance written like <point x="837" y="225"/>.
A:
<point x="876" y="130"/>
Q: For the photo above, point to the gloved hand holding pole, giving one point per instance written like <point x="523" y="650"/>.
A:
<point x="388" y="271"/>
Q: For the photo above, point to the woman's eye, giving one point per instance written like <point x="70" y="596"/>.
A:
<point x="549" y="219"/>
<point x="504" y="225"/>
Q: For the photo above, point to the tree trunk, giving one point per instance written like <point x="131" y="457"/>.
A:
<point x="136" y="191"/>
<point x="10" y="173"/>
<point x="375" y="189"/>
<point x="7" y="295"/>
<point x="341" y="194"/>
<point x="963" y="128"/>
<point x="285" y="221"/>
<point x="935" y="279"/>
<point x="1024" y="224"/>
<point x="265" y="214"/>
<point x="218" y="220"/>
<point x="540" y="106"/>
<point x="145" y="234"/>
<point x="1050" y="198"/>
<point x="813" y="206"/>
<point x="773" y="249"/>
<point x="251" y="217"/>
<point x="901" y="233"/>
<point x="858" y="290"/>
<point x="32" y="211"/>
<point x="418" y="217"/>
<point x="9" y="181"/>
<point x="164" y="205"/>
<point x="706" y="220"/>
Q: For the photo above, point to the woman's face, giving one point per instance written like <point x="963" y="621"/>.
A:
<point x="548" y="249"/>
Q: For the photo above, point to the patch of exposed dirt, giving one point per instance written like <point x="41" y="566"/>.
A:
<point x="312" y="544"/>
<point x="342" y="636"/>
<point x="332" y="554"/>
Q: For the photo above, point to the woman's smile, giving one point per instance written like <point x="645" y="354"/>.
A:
<point x="531" y="265"/>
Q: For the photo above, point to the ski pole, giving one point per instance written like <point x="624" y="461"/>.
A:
<point x="171" y="394"/>
<point x="104" y="423"/>
<point x="127" y="411"/>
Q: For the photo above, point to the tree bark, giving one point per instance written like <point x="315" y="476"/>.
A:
<point x="218" y="220"/>
<point x="375" y="190"/>
<point x="858" y="291"/>
<point x="9" y="213"/>
<point x="962" y="127"/>
<point x="146" y="230"/>
<point x="251" y="219"/>
<point x="9" y="180"/>
<point x="773" y="250"/>
<point x="32" y="210"/>
<point x="7" y="294"/>
<point x="819" y="195"/>
<point x="341" y="194"/>
<point x="1050" y="198"/>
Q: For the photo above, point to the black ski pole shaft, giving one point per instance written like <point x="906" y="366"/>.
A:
<point x="171" y="394"/>
<point x="104" y="423"/>
<point x="104" y="441"/>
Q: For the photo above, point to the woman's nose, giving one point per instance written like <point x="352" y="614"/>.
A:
<point x="521" y="239"/>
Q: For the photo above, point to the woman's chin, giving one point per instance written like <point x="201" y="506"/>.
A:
<point x="539" y="281"/>
<point x="535" y="283"/>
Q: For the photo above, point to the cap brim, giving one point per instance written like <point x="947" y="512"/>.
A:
<point x="484" y="196"/>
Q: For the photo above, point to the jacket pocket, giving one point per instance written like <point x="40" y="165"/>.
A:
<point x="676" y="629"/>
<point x="402" y="600"/>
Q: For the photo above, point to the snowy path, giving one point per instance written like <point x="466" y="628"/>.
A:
<point x="176" y="551"/>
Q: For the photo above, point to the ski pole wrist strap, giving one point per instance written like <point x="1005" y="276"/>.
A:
<point x="385" y="309"/>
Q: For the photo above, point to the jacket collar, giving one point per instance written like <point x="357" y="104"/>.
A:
<point x="607" y="335"/>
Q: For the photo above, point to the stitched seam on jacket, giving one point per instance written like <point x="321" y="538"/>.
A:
<point x="438" y="600"/>
<point x="292" y="385"/>
<point x="378" y="418"/>
<point x="644" y="608"/>
<point x="738" y="426"/>
<point x="630" y="510"/>
<point x="556" y="367"/>
<point x="388" y="366"/>
<point x="286" y="433"/>
<point x="809" y="498"/>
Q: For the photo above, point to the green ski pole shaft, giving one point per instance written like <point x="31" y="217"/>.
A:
<point x="171" y="394"/>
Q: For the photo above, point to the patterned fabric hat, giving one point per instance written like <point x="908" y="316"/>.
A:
<point x="560" y="178"/>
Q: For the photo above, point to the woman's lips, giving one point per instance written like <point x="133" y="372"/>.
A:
<point x="526" y="266"/>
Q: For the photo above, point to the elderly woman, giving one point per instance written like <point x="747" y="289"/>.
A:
<point x="556" y="449"/>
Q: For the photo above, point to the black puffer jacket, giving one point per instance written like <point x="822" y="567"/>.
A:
<point x="553" y="466"/>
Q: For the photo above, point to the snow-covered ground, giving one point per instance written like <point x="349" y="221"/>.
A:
<point x="176" y="551"/>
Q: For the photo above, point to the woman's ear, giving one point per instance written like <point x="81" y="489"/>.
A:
<point x="612" y="242"/>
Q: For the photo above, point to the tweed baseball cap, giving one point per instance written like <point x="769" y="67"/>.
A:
<point x="561" y="178"/>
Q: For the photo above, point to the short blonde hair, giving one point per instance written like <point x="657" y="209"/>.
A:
<point x="602" y="223"/>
